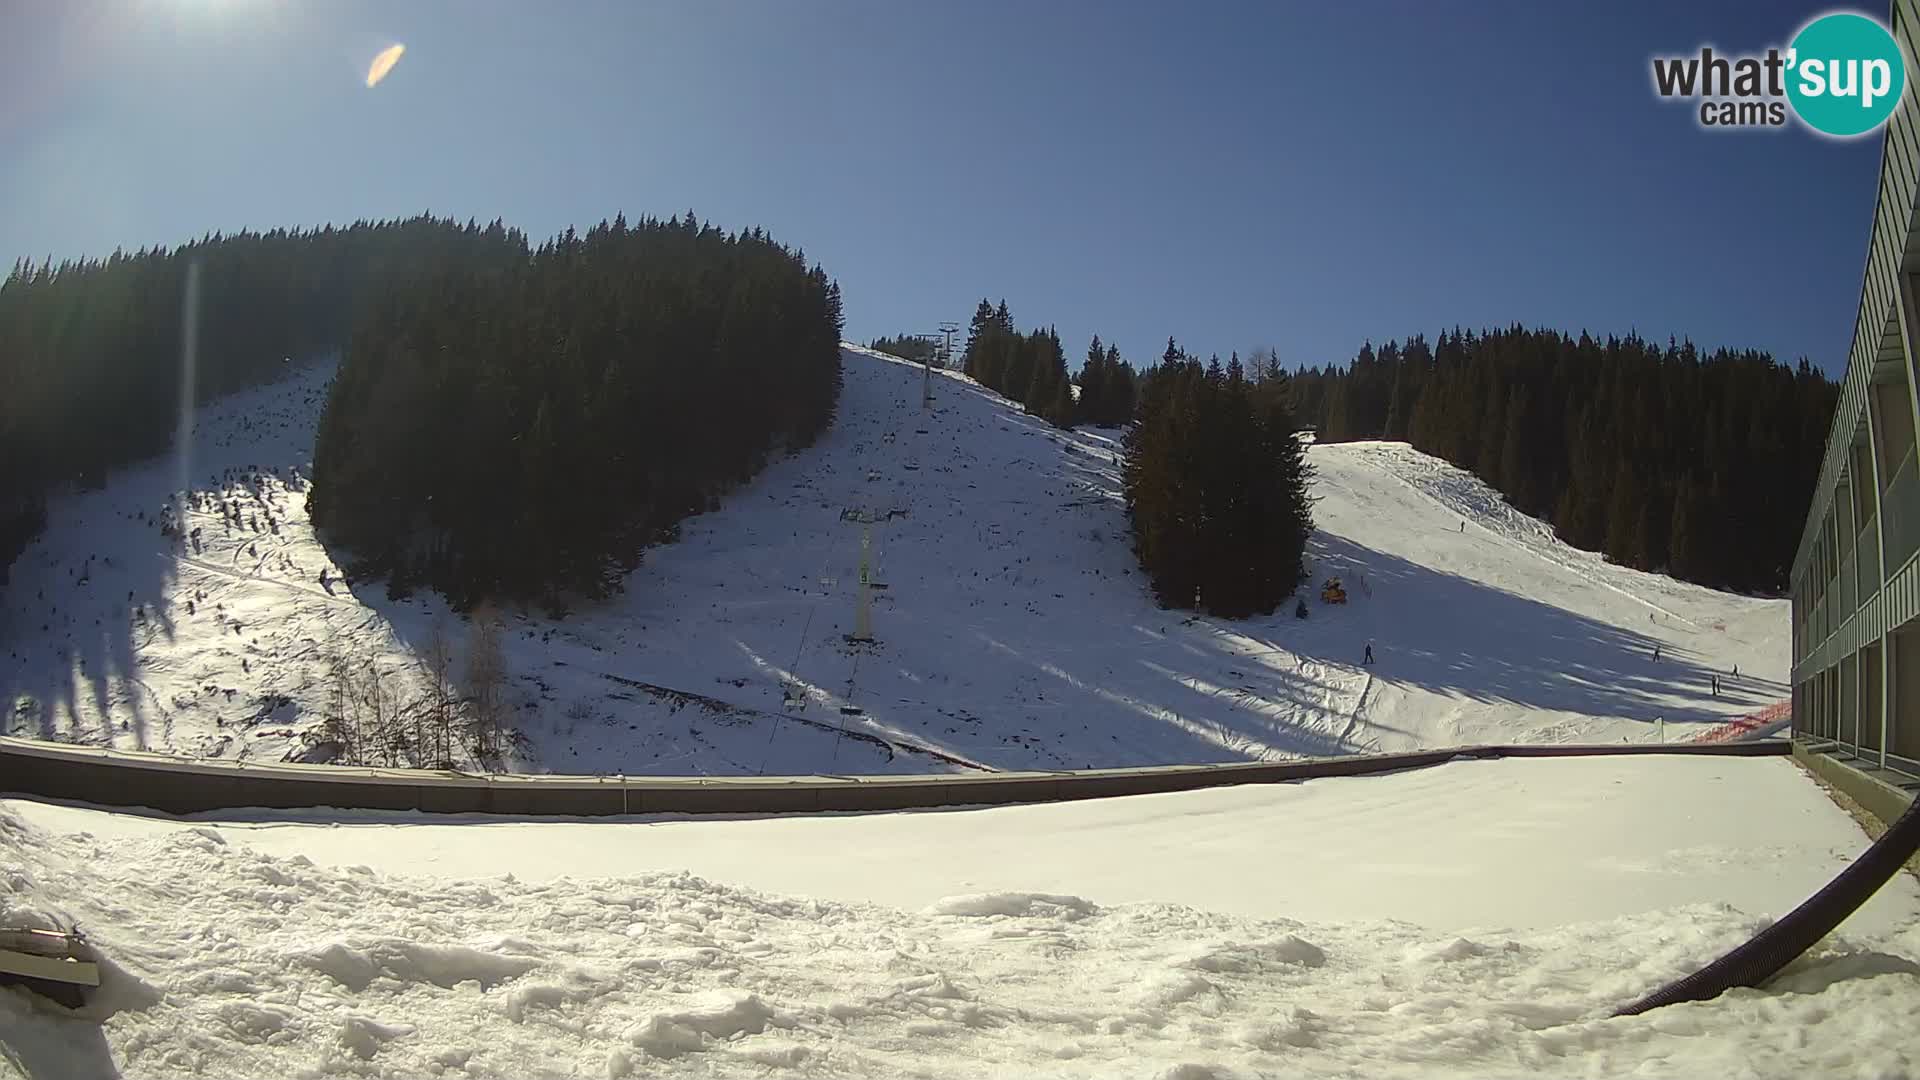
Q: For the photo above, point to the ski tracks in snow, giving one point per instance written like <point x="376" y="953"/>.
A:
<point x="1460" y="493"/>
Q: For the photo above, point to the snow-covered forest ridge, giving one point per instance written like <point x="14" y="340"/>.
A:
<point x="1013" y="628"/>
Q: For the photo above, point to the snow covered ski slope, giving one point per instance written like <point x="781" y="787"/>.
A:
<point x="1013" y="629"/>
<point x="1489" y="629"/>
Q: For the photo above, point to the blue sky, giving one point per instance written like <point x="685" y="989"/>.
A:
<point x="1301" y="175"/>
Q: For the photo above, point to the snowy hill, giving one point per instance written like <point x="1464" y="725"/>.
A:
<point x="1013" y="630"/>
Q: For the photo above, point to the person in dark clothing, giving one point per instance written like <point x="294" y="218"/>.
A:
<point x="1369" y="657"/>
<point x="1656" y="654"/>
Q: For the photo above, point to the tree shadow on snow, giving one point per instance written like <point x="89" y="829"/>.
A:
<point x="1195" y="712"/>
<point x="98" y="585"/>
<point x="46" y="1047"/>
<point x="1453" y="635"/>
<point x="1276" y="686"/>
<point x="79" y="607"/>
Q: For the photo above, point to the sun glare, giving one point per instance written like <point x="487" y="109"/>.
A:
<point x="383" y="63"/>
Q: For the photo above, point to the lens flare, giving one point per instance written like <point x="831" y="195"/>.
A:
<point x="189" y="389"/>
<point x="383" y="63"/>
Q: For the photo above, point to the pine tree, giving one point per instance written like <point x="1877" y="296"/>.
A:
<point x="1487" y="458"/>
<point x="1516" y="460"/>
<point x="1120" y="391"/>
<point x="971" y="358"/>
<point x="1094" y="383"/>
<point x="1648" y="541"/>
<point x="1060" y="413"/>
<point x="1216" y="487"/>
<point x="1623" y="518"/>
<point x="1683" y="552"/>
<point x="1039" y="392"/>
<point x="582" y="436"/>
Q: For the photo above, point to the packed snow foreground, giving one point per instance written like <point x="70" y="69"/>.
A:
<point x="1477" y="919"/>
<point x="1013" y="628"/>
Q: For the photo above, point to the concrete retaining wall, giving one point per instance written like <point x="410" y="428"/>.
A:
<point x="1885" y="795"/>
<point x="192" y="785"/>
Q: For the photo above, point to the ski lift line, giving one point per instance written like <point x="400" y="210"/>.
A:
<point x="871" y="549"/>
<point x="873" y="554"/>
<point x="853" y="676"/>
<point x="806" y="627"/>
<point x="792" y="675"/>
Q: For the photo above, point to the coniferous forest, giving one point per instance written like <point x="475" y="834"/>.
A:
<point x="906" y="347"/>
<point x="591" y="375"/>
<point x="1028" y="368"/>
<point x="1108" y="387"/>
<point x="1668" y="459"/>
<point x="521" y="430"/>
<point x="1216" y="479"/>
<point x="1031" y="369"/>
<point x="1216" y="485"/>
<point x="505" y="422"/>
<point x="90" y="351"/>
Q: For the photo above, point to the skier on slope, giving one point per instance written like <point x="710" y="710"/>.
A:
<point x="1656" y="654"/>
<point x="1368" y="658"/>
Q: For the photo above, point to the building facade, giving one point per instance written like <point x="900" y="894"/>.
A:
<point x="1856" y="583"/>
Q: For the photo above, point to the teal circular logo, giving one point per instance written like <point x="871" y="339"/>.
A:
<point x="1845" y="74"/>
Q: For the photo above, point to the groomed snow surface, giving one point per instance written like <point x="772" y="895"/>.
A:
<point x="1014" y="628"/>
<point x="1478" y="919"/>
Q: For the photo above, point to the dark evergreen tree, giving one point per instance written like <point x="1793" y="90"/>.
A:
<point x="1094" y="382"/>
<point x="1030" y="369"/>
<point x="90" y="350"/>
<point x="981" y="322"/>
<point x="1117" y="402"/>
<point x="1216" y="486"/>
<point x="906" y="346"/>
<point x="522" y="430"/>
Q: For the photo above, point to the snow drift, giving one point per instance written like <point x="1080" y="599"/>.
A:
<point x="1065" y="941"/>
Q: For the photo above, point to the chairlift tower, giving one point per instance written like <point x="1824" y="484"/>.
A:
<point x="947" y="330"/>
<point x="932" y="343"/>
<point x="863" y="600"/>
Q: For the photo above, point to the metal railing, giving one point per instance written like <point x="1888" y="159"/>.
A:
<point x="189" y="785"/>
<point x="1901" y="507"/>
<point x="1843" y="588"/>
<point x="1868" y="549"/>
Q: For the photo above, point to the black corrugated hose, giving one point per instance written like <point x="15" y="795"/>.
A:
<point x="1778" y="945"/>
